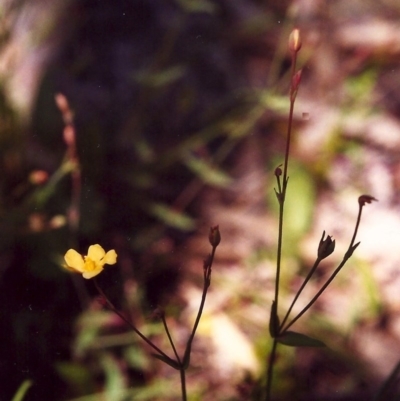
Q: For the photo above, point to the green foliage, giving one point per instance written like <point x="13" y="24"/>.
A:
<point x="208" y="173"/>
<point x="293" y="339"/>
<point x="136" y="176"/>
<point x="22" y="390"/>
<point x="171" y="217"/>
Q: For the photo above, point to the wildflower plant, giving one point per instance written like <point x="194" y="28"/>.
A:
<point x="279" y="329"/>
<point x="93" y="264"/>
<point x="280" y="322"/>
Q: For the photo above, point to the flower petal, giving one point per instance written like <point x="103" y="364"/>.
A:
<point x="111" y="257"/>
<point x="93" y="273"/>
<point x="96" y="253"/>
<point x="74" y="260"/>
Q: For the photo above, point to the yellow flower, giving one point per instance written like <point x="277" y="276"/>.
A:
<point x="92" y="264"/>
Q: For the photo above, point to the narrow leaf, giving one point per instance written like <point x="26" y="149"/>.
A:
<point x="23" y="388"/>
<point x="171" y="217"/>
<point x="351" y="250"/>
<point x="293" y="339"/>
<point x="160" y="78"/>
<point x="274" y="321"/>
<point x="207" y="172"/>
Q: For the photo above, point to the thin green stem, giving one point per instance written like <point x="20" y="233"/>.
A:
<point x="207" y="281"/>
<point x="183" y="384"/>
<point x="346" y="257"/>
<point x="282" y="194"/>
<point x="279" y="252"/>
<point x="117" y="312"/>
<point x="170" y="338"/>
<point x="306" y="280"/>
<point x="271" y="361"/>
<point x="207" y="278"/>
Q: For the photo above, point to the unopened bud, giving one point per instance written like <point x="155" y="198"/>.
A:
<point x="278" y="171"/>
<point x="295" y="41"/>
<point x="326" y="246"/>
<point x="363" y="199"/>
<point x="214" y="236"/>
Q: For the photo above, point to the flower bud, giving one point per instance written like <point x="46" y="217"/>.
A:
<point x="326" y="246"/>
<point x="363" y="199"/>
<point x="278" y="171"/>
<point x="214" y="236"/>
<point x="295" y="41"/>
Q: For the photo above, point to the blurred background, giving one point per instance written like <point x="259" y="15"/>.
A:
<point x="180" y="109"/>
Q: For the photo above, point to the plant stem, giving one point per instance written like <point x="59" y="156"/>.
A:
<point x="281" y="195"/>
<point x="186" y="358"/>
<point x="117" y="312"/>
<point x="170" y="338"/>
<point x="306" y="280"/>
<point x="271" y="361"/>
<point x="207" y="278"/>
<point x="346" y="257"/>
<point x="183" y="384"/>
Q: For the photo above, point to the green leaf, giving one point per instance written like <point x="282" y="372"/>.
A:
<point x="23" y="388"/>
<point x="207" y="172"/>
<point x="76" y="375"/>
<point x="273" y="321"/>
<point x="168" y="361"/>
<point x="114" y="383"/>
<point x="172" y="217"/>
<point x="160" y="78"/>
<point x="293" y="339"/>
<point x="90" y="325"/>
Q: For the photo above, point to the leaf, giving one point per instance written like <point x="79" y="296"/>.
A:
<point x="350" y="252"/>
<point x="114" y="378"/>
<point x="23" y="388"/>
<point x="273" y="321"/>
<point x="172" y="217"/>
<point x="207" y="172"/>
<point x="174" y="364"/>
<point x="160" y="78"/>
<point x="293" y="339"/>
